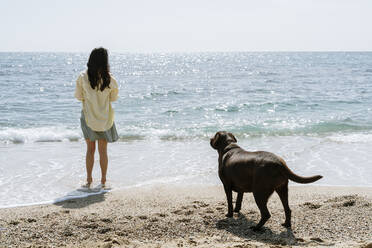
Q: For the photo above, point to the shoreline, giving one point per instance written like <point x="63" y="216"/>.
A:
<point x="54" y="201"/>
<point x="192" y="216"/>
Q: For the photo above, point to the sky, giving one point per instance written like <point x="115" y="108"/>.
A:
<point x="186" y="25"/>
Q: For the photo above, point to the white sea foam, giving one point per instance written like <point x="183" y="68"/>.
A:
<point x="38" y="134"/>
<point x="352" y="138"/>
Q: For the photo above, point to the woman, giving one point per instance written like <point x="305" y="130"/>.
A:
<point x="96" y="88"/>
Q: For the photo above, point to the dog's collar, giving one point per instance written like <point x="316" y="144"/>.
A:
<point x="230" y="147"/>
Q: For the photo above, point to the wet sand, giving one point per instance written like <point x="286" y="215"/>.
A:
<point x="192" y="216"/>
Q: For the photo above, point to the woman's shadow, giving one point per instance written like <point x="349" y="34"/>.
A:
<point x="241" y="227"/>
<point x="81" y="198"/>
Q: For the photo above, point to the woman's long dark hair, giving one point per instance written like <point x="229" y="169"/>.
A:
<point x="98" y="68"/>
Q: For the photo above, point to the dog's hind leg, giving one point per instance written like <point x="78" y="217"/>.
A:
<point x="228" y="192"/>
<point x="283" y="194"/>
<point x="238" y="204"/>
<point x="261" y="199"/>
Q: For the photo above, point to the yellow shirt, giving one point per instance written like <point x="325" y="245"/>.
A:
<point x="98" y="113"/>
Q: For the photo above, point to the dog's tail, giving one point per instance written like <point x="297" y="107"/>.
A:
<point x="296" y="178"/>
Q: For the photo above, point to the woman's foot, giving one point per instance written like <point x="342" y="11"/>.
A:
<point x="103" y="182"/>
<point x="104" y="186"/>
<point x="86" y="186"/>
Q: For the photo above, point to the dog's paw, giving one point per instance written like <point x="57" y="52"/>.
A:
<point x="255" y="228"/>
<point x="229" y="215"/>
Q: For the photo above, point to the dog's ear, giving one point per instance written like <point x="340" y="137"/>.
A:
<point x="233" y="137"/>
<point x="216" y="140"/>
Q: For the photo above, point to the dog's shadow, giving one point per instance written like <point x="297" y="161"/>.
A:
<point x="241" y="227"/>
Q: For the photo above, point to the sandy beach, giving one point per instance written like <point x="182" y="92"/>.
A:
<point x="192" y="216"/>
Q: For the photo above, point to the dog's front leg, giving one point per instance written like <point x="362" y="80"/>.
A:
<point x="228" y="192"/>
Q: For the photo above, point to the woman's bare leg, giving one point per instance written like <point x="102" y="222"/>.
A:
<point x="89" y="159"/>
<point x="103" y="159"/>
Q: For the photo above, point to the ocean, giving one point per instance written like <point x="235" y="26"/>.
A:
<point x="314" y="109"/>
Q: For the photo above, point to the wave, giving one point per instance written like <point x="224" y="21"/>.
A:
<point x="351" y="138"/>
<point x="336" y="130"/>
<point x="293" y="129"/>
<point x="39" y="134"/>
<point x="153" y="95"/>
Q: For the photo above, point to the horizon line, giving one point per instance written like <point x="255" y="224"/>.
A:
<point x="219" y="51"/>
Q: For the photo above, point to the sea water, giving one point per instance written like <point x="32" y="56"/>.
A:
<point x="314" y="109"/>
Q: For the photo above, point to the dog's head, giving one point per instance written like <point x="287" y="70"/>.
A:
<point x="222" y="139"/>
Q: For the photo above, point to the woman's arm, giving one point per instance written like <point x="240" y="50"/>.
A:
<point x="79" y="89"/>
<point x="114" y="90"/>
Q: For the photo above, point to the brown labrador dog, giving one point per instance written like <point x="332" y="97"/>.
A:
<point x="259" y="172"/>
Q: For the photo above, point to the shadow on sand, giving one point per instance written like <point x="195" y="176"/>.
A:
<point x="241" y="227"/>
<point x="78" y="199"/>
